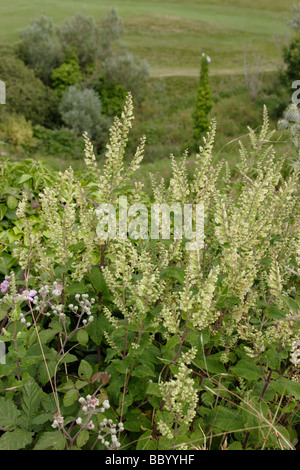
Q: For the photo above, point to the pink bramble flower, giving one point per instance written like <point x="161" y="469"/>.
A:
<point x="3" y="154"/>
<point x="4" y="286"/>
<point x="57" y="289"/>
<point x="93" y="402"/>
<point x="58" y="420"/>
<point x="29" y="294"/>
<point x="91" y="425"/>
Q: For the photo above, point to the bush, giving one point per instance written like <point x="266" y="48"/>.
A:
<point x="25" y="93"/>
<point x="112" y="97"/>
<point x="81" y="111"/>
<point x="17" y="177"/>
<point x="16" y="130"/>
<point x="60" y="142"/>
<point x="67" y="74"/>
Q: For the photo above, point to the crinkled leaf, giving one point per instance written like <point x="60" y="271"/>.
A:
<point x="30" y="404"/>
<point x="51" y="440"/>
<point x="9" y="414"/>
<point x="85" y="370"/>
<point x="15" y="440"/>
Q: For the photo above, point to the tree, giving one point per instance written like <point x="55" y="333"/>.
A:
<point x="111" y="29"/>
<point x="204" y="101"/>
<point x="124" y="70"/>
<point x="291" y="56"/>
<point x="80" y="35"/>
<point x="39" y="47"/>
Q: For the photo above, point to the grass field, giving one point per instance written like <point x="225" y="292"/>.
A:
<point x="172" y="34"/>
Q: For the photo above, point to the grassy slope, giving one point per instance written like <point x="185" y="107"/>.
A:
<point x="171" y="35"/>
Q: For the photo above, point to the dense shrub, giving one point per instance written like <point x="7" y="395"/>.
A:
<point x="16" y="130"/>
<point x="112" y="97"/>
<point x="58" y="142"/>
<point x="66" y="74"/>
<point x="138" y="343"/>
<point x="16" y="177"/>
<point x="81" y="111"/>
<point x="25" y="93"/>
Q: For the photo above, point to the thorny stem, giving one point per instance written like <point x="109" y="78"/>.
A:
<point x="16" y="349"/>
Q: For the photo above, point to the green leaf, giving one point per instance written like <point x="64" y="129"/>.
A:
<point x="43" y="372"/>
<point x="143" y="371"/>
<point x="6" y="369"/>
<point x="172" y="342"/>
<point x="30" y="404"/>
<point x="115" y="385"/>
<point x="96" y="329"/>
<point x="24" y="178"/>
<point x="121" y="366"/>
<point x="42" y="418"/>
<point x="211" y="363"/>
<point x="82" y="337"/>
<point x="69" y="358"/>
<point x="15" y="440"/>
<point x="133" y="421"/>
<point x="70" y="397"/>
<point x="11" y="214"/>
<point x="98" y="281"/>
<point x="235" y="446"/>
<point x="124" y="403"/>
<point x="85" y="370"/>
<point x="47" y="335"/>
<point x="177" y="273"/>
<point x="9" y="414"/>
<point x="146" y="442"/>
<point x="275" y="313"/>
<point x="154" y="389"/>
<point x="12" y="202"/>
<point x="272" y="358"/>
<point x="3" y="210"/>
<point x="247" y="369"/>
<point x="225" y="419"/>
<point x="286" y="387"/>
<point x="51" y="440"/>
<point x="291" y="303"/>
<point x="77" y="288"/>
<point x="82" y="438"/>
<point x="3" y="313"/>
